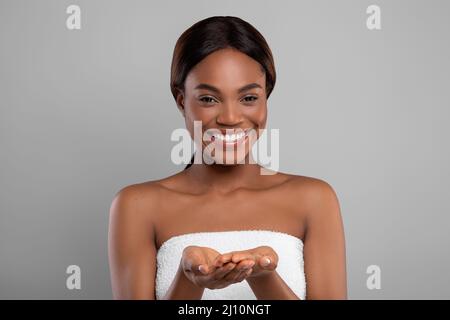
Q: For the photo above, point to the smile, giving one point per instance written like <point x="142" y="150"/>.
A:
<point x="229" y="138"/>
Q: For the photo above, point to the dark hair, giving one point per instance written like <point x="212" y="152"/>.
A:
<point x="191" y="162"/>
<point x="215" y="33"/>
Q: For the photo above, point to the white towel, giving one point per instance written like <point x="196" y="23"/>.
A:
<point x="288" y="247"/>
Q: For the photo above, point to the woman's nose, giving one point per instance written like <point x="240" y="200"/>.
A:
<point x="229" y="115"/>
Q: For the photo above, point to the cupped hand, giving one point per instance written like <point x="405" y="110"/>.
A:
<point x="198" y="266"/>
<point x="264" y="257"/>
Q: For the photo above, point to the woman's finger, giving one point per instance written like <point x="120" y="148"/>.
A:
<point x="245" y="264"/>
<point x="220" y="272"/>
<point x="238" y="256"/>
<point x="222" y="259"/>
<point x="268" y="262"/>
<point x="265" y="261"/>
<point x="230" y="277"/>
<point x="242" y="267"/>
<point x="199" y="269"/>
<point x="244" y="275"/>
<point x="239" y="276"/>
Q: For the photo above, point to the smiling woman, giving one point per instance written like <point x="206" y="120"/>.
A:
<point x="227" y="39"/>
<point x="224" y="230"/>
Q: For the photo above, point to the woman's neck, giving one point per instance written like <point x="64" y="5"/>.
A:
<point x="225" y="178"/>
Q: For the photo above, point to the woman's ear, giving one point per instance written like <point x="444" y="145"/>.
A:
<point x="180" y="101"/>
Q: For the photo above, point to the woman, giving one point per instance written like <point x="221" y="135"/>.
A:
<point x="224" y="230"/>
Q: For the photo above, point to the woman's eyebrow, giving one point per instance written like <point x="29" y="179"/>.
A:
<point x="207" y="87"/>
<point x="214" y="89"/>
<point x="249" y="86"/>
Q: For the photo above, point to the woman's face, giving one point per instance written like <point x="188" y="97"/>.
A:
<point x="226" y="91"/>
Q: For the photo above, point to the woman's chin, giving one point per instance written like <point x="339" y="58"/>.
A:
<point x="231" y="161"/>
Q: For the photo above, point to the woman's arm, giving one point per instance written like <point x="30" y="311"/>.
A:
<point x="324" y="247"/>
<point x="271" y="287"/>
<point x="131" y="246"/>
<point x="324" y="250"/>
<point x="132" y="251"/>
<point x="182" y="288"/>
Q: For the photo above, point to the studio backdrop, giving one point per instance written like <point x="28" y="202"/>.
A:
<point x="362" y="101"/>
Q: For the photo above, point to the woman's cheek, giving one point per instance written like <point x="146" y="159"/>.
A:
<point x="258" y="115"/>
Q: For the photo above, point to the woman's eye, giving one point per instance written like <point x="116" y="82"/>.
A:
<point x="207" y="99"/>
<point x="250" y="98"/>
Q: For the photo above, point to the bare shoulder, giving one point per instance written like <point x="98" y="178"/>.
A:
<point x="316" y="189"/>
<point x="143" y="198"/>
<point x="136" y="194"/>
<point x="305" y="183"/>
<point x="316" y="196"/>
<point x="137" y="199"/>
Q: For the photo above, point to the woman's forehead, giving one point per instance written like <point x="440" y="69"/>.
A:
<point x="226" y="68"/>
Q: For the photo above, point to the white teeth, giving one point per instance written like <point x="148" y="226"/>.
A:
<point x="230" y="137"/>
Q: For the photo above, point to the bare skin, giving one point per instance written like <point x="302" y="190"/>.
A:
<point x="225" y="198"/>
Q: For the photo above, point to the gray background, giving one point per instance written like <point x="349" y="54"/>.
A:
<point x="86" y="112"/>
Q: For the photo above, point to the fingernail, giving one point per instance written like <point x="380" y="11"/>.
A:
<point x="201" y="268"/>
<point x="265" y="261"/>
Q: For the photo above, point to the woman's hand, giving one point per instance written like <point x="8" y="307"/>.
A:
<point x="264" y="257"/>
<point x="198" y="266"/>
